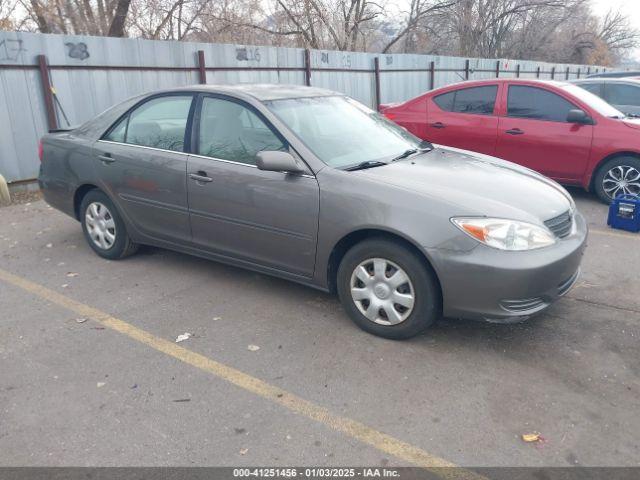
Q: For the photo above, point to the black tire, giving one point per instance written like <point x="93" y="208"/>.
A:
<point x="427" y="296"/>
<point x="622" y="161"/>
<point x="122" y="246"/>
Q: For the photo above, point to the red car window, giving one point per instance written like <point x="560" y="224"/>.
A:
<point x="474" y="100"/>
<point x="537" y="103"/>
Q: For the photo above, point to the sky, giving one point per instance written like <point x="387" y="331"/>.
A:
<point x="628" y="7"/>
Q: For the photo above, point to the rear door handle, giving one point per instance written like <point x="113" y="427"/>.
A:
<point x="106" y="158"/>
<point x="200" y="176"/>
<point x="438" y="125"/>
<point x="515" y="131"/>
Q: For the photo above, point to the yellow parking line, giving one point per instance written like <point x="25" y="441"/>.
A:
<point x="612" y="233"/>
<point x="381" y="441"/>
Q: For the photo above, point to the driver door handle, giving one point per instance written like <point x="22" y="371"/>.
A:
<point x="106" y="158"/>
<point x="438" y="125"/>
<point x="200" y="176"/>
<point x="515" y="131"/>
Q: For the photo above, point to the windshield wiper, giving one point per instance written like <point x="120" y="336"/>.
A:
<point x="424" y="146"/>
<point x="364" y="165"/>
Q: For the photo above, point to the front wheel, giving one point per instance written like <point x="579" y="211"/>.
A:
<point x="620" y="175"/>
<point x="387" y="289"/>
<point x="103" y="227"/>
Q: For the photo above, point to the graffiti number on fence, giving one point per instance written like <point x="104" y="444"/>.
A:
<point x="10" y="49"/>
<point x="245" y="54"/>
<point x="78" y="50"/>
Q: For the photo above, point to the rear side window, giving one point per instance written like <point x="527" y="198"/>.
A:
<point x="537" y="103"/>
<point x="475" y="100"/>
<point x="595" y="88"/>
<point x="445" y="101"/>
<point x="159" y="123"/>
<point x="622" y="95"/>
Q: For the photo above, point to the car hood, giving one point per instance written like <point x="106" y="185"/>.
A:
<point x="476" y="184"/>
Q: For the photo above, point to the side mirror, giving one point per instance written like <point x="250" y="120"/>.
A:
<point x="276" y="161"/>
<point x="579" y="116"/>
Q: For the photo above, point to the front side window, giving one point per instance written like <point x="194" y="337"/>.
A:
<point x="474" y="100"/>
<point x="158" y="123"/>
<point x="537" y="103"/>
<point x="231" y="131"/>
<point x="618" y="94"/>
<point x="342" y="132"/>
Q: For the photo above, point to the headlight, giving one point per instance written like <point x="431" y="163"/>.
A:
<point x="506" y="234"/>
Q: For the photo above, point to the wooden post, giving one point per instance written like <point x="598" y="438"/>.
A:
<point x="466" y="69"/>
<point x="518" y="71"/>
<point x="52" y="119"/>
<point x="307" y="67"/>
<point x="497" y="68"/>
<point x="202" y="68"/>
<point x="578" y="73"/>
<point x="566" y="75"/>
<point x="432" y="75"/>
<point x="376" y="72"/>
<point x="588" y="71"/>
<point x="553" y="72"/>
<point x="538" y="72"/>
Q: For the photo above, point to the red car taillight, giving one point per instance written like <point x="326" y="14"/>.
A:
<point x="40" y="151"/>
<point x="390" y="115"/>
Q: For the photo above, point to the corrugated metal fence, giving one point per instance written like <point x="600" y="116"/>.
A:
<point x="89" y="74"/>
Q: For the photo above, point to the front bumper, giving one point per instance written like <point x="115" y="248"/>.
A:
<point x="499" y="286"/>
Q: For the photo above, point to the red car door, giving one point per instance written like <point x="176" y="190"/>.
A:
<point x="533" y="131"/>
<point x="464" y="118"/>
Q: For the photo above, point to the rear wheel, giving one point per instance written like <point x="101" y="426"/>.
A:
<point x="387" y="289"/>
<point x="620" y="175"/>
<point x="103" y="227"/>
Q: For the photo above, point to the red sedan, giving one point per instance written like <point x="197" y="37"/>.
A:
<point x="555" y="128"/>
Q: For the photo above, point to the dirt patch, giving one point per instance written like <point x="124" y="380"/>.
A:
<point x="20" y="198"/>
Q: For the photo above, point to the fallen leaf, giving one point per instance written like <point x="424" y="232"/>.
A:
<point x="243" y="451"/>
<point x="49" y="245"/>
<point x="531" y="437"/>
<point x="217" y="318"/>
<point x="81" y="320"/>
<point x="183" y="337"/>
<point x="253" y="348"/>
<point x="100" y="384"/>
<point x="72" y="274"/>
<point x="65" y="285"/>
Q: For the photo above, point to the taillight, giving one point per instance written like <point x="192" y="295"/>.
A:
<point x="40" y="151"/>
<point x="390" y="115"/>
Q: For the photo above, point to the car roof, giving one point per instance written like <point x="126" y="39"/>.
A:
<point x="607" y="80"/>
<point x="493" y="81"/>
<point x="261" y="91"/>
<point x="615" y="74"/>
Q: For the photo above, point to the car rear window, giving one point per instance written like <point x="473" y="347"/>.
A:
<point x="474" y="100"/>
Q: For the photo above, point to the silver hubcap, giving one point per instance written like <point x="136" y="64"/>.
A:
<point x="100" y="225"/>
<point x="382" y="291"/>
<point x="621" y="179"/>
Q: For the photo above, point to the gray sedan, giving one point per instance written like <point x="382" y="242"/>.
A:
<point x="311" y="186"/>
<point x="622" y="93"/>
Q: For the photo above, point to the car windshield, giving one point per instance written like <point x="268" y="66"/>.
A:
<point x="342" y="132"/>
<point x="595" y="102"/>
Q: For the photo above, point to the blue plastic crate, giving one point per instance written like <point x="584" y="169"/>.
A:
<point x="624" y="213"/>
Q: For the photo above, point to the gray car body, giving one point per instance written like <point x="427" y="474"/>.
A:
<point x="599" y="87"/>
<point x="298" y="226"/>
